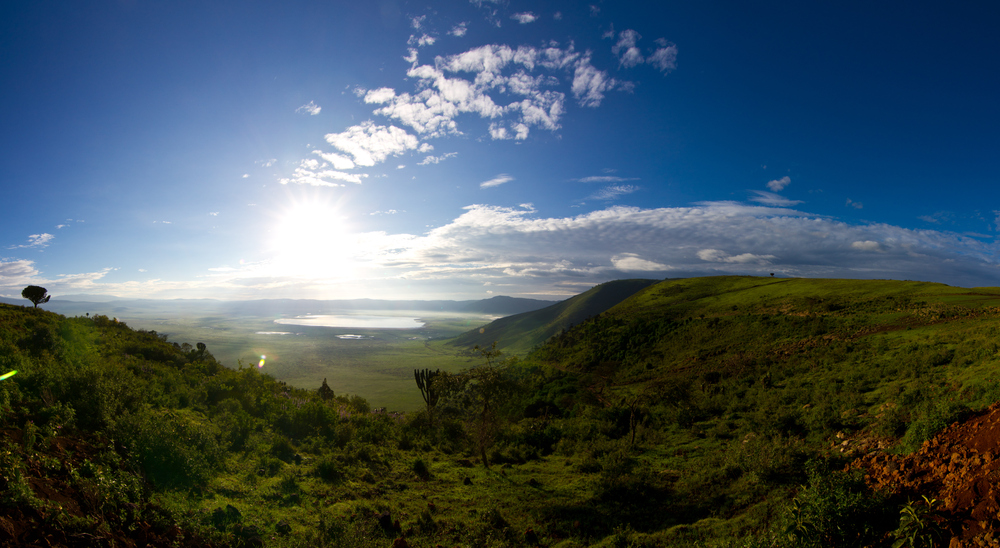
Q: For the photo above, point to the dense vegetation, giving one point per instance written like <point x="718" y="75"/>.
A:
<point x="698" y="412"/>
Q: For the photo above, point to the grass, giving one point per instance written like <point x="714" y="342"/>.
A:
<point x="379" y="368"/>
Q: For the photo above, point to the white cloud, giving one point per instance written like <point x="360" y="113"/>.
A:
<point x="496" y="181"/>
<point x="62" y="226"/>
<point x="418" y="22"/>
<point x="369" y="144"/>
<point x="855" y="205"/>
<point x="613" y="192"/>
<point x="437" y="159"/>
<point x="717" y="256"/>
<point x="213" y="213"/>
<point x="606" y="179"/>
<point x="664" y="58"/>
<point x="246" y="176"/>
<point x="421" y="41"/>
<point x="313" y="172"/>
<point x="459" y="30"/>
<point x="866" y="245"/>
<point x="770" y="199"/>
<point x="336" y="160"/>
<point x="626" y="50"/>
<point x="630" y="262"/>
<point x="310" y="108"/>
<point x="35" y="240"/>
<point x="590" y="84"/>
<point x="996" y="221"/>
<point x="524" y="17"/>
<point x="778" y="185"/>
<point x="143" y="270"/>
<point x="531" y="255"/>
<point x="14" y="274"/>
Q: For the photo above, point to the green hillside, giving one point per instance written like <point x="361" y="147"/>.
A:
<point x="519" y="333"/>
<point x="709" y="412"/>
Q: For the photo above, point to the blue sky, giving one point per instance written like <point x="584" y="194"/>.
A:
<point x="470" y="149"/>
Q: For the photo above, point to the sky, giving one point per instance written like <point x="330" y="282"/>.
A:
<point x="469" y="149"/>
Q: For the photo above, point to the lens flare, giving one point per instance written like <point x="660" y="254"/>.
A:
<point x="261" y="364"/>
<point x="6" y="376"/>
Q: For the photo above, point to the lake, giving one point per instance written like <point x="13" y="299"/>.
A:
<point x="354" y="321"/>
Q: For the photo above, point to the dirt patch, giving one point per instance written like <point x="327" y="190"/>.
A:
<point x="960" y="468"/>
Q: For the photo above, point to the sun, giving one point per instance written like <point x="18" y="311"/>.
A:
<point x="312" y="239"/>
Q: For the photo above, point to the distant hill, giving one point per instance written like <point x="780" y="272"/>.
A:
<point x="519" y="333"/>
<point x="495" y="306"/>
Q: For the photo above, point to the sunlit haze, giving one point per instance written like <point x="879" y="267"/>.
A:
<point x="464" y="150"/>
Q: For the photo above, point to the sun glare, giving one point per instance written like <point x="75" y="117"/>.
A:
<point x="312" y="240"/>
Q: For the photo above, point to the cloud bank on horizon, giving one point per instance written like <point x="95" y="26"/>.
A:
<point x="484" y="148"/>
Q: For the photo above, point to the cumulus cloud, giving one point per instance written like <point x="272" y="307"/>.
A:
<point x="778" y="185"/>
<point x="866" y="245"/>
<point x="717" y="256"/>
<point x="664" y="58"/>
<point x="524" y="17"/>
<point x="771" y="199"/>
<point x="489" y="243"/>
<point x="626" y="50"/>
<point x="369" y="144"/>
<point x="459" y="30"/>
<point x="310" y="108"/>
<point x="422" y="40"/>
<point x="630" y="262"/>
<point x="613" y="192"/>
<point x="336" y="160"/>
<point x="316" y="173"/>
<point x="496" y="181"/>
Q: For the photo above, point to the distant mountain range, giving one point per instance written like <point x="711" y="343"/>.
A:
<point x="82" y="304"/>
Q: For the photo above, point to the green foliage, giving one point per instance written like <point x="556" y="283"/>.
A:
<point x="836" y="508"/>
<point x="918" y="526"/>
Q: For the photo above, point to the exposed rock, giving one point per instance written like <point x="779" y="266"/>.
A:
<point x="959" y="468"/>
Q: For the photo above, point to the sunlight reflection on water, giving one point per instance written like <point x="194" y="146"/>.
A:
<point x="355" y="321"/>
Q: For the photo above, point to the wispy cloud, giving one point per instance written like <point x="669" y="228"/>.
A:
<point x="459" y="30"/>
<point x="771" y="199"/>
<point x="606" y="179"/>
<point x="496" y="181"/>
<point x="436" y="159"/>
<point x="35" y="241"/>
<point x="310" y="108"/>
<point x="613" y="192"/>
<point x="855" y="205"/>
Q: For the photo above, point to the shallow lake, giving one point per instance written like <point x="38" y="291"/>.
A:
<point x="355" y="321"/>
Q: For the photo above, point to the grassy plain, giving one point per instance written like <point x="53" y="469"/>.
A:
<point x="378" y="367"/>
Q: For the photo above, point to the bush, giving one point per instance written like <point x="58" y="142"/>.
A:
<point x="837" y="508"/>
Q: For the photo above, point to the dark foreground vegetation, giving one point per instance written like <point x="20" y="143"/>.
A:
<point x="701" y="412"/>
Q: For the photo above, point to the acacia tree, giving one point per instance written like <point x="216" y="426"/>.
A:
<point x="481" y="392"/>
<point x="37" y="295"/>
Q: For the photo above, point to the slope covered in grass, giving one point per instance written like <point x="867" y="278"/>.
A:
<point x="520" y="333"/>
<point x="698" y="412"/>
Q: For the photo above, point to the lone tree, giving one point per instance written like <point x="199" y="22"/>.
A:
<point x="424" y="378"/>
<point x="37" y="295"/>
<point x="482" y="392"/>
<point x="325" y="392"/>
